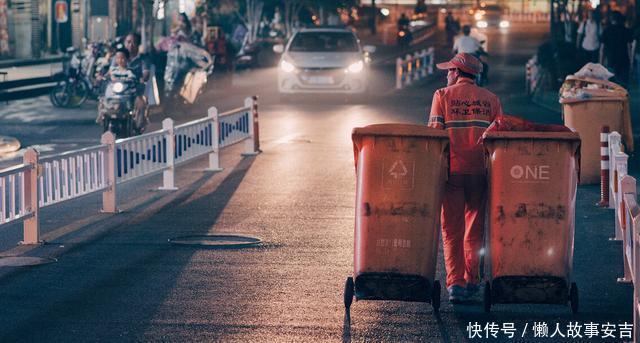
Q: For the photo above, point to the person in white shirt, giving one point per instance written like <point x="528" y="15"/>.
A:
<point x="466" y="43"/>
<point x="589" y="34"/>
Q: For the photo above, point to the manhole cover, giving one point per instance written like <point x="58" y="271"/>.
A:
<point x="23" y="261"/>
<point x="217" y="241"/>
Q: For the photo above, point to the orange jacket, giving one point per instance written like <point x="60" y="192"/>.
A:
<point x="465" y="111"/>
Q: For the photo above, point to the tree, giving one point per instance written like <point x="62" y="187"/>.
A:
<point x="291" y="10"/>
<point x="251" y="18"/>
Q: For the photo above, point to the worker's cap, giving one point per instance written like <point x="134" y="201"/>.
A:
<point x="463" y="61"/>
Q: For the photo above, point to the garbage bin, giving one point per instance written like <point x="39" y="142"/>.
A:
<point x="588" y="105"/>
<point x="529" y="239"/>
<point x="401" y="171"/>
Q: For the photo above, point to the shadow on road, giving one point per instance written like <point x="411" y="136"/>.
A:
<point x="346" y="327"/>
<point x="120" y="277"/>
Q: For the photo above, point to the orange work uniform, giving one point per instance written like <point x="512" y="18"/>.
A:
<point x="465" y="111"/>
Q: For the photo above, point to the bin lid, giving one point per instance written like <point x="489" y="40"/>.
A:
<point x="402" y="130"/>
<point x="514" y="135"/>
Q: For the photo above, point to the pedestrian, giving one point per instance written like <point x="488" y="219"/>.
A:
<point x="465" y="111"/>
<point x="588" y="41"/>
<point x="616" y="40"/>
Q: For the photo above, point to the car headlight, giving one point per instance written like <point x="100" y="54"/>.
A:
<point x="504" y="24"/>
<point x="287" y="67"/>
<point x="356" y="67"/>
<point x="478" y="15"/>
<point x="118" y="87"/>
<point x="482" y="24"/>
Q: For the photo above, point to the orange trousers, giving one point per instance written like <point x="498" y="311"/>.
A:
<point x="463" y="212"/>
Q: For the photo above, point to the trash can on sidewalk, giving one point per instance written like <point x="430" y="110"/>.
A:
<point x="533" y="179"/>
<point x="401" y="171"/>
<point x="588" y="105"/>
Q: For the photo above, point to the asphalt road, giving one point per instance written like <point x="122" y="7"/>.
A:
<point x="118" y="279"/>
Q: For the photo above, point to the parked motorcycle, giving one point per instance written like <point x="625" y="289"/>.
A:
<point x="117" y="109"/>
<point x="79" y="80"/>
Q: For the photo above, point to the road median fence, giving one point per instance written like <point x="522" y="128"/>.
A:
<point x="414" y="67"/>
<point x="44" y="181"/>
<point x="623" y="200"/>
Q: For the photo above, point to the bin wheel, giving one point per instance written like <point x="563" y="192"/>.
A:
<point x="573" y="297"/>
<point x="348" y="293"/>
<point x="487" y="297"/>
<point x="435" y="296"/>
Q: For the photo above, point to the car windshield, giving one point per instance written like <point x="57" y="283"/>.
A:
<point x="324" y="42"/>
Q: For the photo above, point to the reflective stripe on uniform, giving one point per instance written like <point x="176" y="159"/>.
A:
<point x="459" y="124"/>
<point x="436" y="119"/>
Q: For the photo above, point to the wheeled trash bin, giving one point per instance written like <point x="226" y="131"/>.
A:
<point x="588" y="105"/>
<point x="401" y="171"/>
<point x="533" y="179"/>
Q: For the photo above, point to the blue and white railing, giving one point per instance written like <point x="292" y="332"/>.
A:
<point x="41" y="182"/>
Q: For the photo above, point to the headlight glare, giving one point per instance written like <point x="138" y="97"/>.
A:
<point x="356" y="67"/>
<point x="118" y="87"/>
<point x="287" y="67"/>
<point x="504" y="24"/>
<point x="482" y="24"/>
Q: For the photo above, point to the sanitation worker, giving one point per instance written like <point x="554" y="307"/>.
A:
<point x="465" y="111"/>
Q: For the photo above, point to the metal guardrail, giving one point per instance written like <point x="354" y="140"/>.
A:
<point x="624" y="201"/>
<point x="14" y="204"/>
<point x="38" y="183"/>
<point x="414" y="67"/>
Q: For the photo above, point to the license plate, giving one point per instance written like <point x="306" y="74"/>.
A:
<point x="321" y="80"/>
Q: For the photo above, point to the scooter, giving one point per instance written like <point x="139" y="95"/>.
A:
<point x="483" y="78"/>
<point x="117" y="109"/>
<point x="404" y="37"/>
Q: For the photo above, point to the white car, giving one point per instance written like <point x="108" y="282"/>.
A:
<point x="323" y="60"/>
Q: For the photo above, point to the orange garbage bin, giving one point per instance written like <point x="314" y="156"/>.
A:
<point x="401" y="171"/>
<point x="607" y="104"/>
<point x="533" y="179"/>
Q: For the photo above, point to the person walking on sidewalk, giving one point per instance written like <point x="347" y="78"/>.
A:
<point x="589" y="33"/>
<point x="465" y="110"/>
<point x="616" y="41"/>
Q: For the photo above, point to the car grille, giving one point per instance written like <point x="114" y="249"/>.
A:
<point x="321" y="76"/>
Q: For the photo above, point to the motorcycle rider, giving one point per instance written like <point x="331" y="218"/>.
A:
<point x="141" y="71"/>
<point x="470" y="45"/>
<point x="466" y="43"/>
<point x="404" y="35"/>
<point x="403" y="22"/>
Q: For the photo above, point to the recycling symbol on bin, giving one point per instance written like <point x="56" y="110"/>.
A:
<point x="398" y="169"/>
<point x="398" y="174"/>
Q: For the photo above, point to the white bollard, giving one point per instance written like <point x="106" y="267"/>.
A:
<point x="109" y="195"/>
<point x="168" y="175"/>
<point x="417" y="73"/>
<point x="31" y="225"/>
<point x="425" y="65"/>
<point x="398" y="73"/>
<point x="214" y="155"/>
<point x="409" y="62"/>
